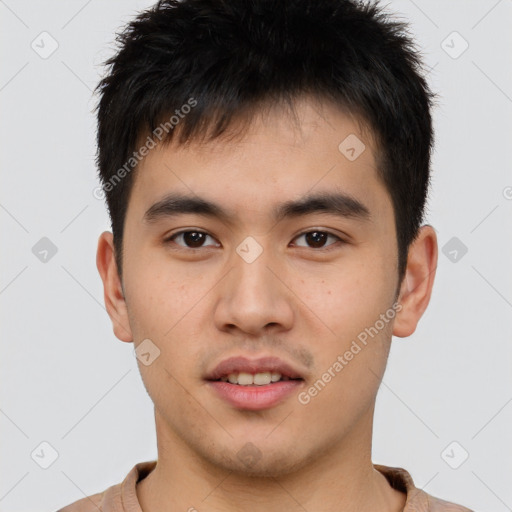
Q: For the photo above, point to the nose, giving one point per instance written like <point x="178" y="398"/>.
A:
<point x="254" y="297"/>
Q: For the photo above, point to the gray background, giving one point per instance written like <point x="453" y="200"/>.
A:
<point x="66" y="379"/>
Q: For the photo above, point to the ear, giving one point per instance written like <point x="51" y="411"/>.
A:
<point x="418" y="281"/>
<point x="112" y="287"/>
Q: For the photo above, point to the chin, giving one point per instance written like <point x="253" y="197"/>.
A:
<point x="255" y="463"/>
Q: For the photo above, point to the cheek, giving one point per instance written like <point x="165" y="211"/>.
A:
<point x="162" y="296"/>
<point x="165" y="306"/>
<point x="162" y="310"/>
<point x="349" y="301"/>
<point x="345" y="296"/>
<point x="347" y="377"/>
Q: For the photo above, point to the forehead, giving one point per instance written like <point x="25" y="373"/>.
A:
<point x="279" y="157"/>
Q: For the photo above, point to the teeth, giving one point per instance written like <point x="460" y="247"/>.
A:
<point x="245" y="379"/>
<point x="258" y="379"/>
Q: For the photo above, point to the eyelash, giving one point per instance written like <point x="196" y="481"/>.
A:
<point x="193" y="249"/>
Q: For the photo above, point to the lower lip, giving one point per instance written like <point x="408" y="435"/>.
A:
<point x="255" y="398"/>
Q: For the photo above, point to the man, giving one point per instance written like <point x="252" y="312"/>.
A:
<point x="266" y="165"/>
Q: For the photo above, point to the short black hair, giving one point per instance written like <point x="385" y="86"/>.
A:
<point x="228" y="59"/>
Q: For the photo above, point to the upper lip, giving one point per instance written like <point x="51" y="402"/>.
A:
<point x="263" y="364"/>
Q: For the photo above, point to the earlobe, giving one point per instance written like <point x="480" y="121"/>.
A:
<point x="112" y="287"/>
<point x="416" y="287"/>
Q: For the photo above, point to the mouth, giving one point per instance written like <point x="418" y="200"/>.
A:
<point x="254" y="384"/>
<point x="256" y="379"/>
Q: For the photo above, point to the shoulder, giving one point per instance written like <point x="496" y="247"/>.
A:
<point x="417" y="499"/>
<point x="439" y="505"/>
<point x="91" y="503"/>
<point x="121" y="496"/>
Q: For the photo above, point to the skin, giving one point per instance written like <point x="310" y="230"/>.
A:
<point x="297" y="301"/>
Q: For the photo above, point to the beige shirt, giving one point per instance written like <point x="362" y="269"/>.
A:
<point x="123" y="497"/>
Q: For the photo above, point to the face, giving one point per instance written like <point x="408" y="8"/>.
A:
<point x="307" y="287"/>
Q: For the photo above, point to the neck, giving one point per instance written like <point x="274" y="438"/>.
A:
<point x="340" y="479"/>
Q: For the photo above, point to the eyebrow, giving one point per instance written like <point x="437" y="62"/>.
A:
<point x="336" y="203"/>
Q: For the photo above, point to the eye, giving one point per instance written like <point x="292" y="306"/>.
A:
<point x="317" y="239"/>
<point x="195" y="239"/>
<point x="192" y="239"/>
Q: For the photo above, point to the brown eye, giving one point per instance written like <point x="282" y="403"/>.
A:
<point x="194" y="238"/>
<point x="317" y="239"/>
<point x="190" y="239"/>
